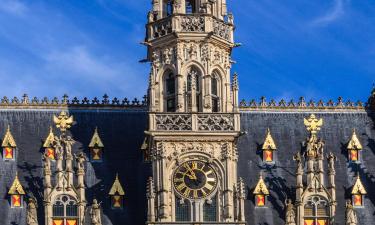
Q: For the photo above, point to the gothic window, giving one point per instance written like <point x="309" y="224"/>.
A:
<point x="65" y="210"/>
<point x="182" y="210"/>
<point x="210" y="210"/>
<point x="316" y="211"/>
<point x="194" y="90"/>
<point x="170" y="92"/>
<point x="215" y="94"/>
<point x="167" y="8"/>
<point x="190" y="6"/>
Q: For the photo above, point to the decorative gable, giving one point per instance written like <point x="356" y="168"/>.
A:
<point x="354" y="148"/>
<point x="96" y="147"/>
<point x="16" y="193"/>
<point x="268" y="147"/>
<point x="358" y="193"/>
<point x="49" y="144"/>
<point x="9" y="145"/>
<point x="117" y="194"/>
<point x="261" y="192"/>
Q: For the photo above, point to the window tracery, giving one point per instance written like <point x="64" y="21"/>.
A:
<point x="316" y="211"/>
<point x="65" y="210"/>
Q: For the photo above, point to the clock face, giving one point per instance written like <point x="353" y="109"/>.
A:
<point x="195" y="180"/>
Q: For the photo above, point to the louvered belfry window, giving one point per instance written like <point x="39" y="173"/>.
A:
<point x="316" y="211"/>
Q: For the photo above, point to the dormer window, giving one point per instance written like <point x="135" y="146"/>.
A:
<point x="9" y="146"/>
<point x="16" y="193"/>
<point x="117" y="194"/>
<point x="260" y="193"/>
<point x="96" y="147"/>
<point x="268" y="148"/>
<point x="358" y="193"/>
<point x="354" y="149"/>
<point x="48" y="145"/>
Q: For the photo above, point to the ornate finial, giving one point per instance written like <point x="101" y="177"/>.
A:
<point x="8" y="140"/>
<point x="269" y="143"/>
<point x="354" y="143"/>
<point x="117" y="187"/>
<point x="241" y="188"/>
<point x="313" y="124"/>
<point x="16" y="188"/>
<point x="261" y="187"/>
<point x="65" y="99"/>
<point x="25" y="99"/>
<point x="63" y="121"/>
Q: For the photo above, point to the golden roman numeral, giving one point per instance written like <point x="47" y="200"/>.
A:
<point x="195" y="193"/>
<point x="194" y="165"/>
<point x="181" y="186"/>
<point x="187" y="192"/>
<point x="208" y="186"/>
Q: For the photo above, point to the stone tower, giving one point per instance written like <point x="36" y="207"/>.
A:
<point x="193" y="115"/>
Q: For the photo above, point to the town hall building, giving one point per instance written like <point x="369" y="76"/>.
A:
<point x="190" y="152"/>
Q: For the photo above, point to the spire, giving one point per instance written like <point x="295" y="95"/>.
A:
<point x="95" y="140"/>
<point x="235" y="84"/>
<point x="16" y="188"/>
<point x="8" y="140"/>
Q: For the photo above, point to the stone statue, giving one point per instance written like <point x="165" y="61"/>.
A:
<point x="68" y="146"/>
<point x="297" y="157"/>
<point x="331" y="161"/>
<point x="290" y="215"/>
<point x="80" y="158"/>
<point x="58" y="148"/>
<point x="95" y="213"/>
<point x="230" y="18"/>
<point x="32" y="217"/>
<point x="351" y="215"/>
<point x="47" y="162"/>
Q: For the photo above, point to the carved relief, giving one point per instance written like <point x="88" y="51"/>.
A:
<point x="192" y="23"/>
<point x="216" y="122"/>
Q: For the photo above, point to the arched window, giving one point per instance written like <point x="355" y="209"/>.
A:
<point x="170" y="86"/>
<point x="65" y="210"/>
<point x="316" y="211"/>
<point x="215" y="92"/>
<point x="210" y="210"/>
<point x="194" y="83"/>
<point x="167" y="8"/>
<point x="190" y="7"/>
<point x="182" y="210"/>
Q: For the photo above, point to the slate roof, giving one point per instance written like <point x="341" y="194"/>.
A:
<point x="122" y="132"/>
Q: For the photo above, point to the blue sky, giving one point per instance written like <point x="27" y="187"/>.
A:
<point x="291" y="48"/>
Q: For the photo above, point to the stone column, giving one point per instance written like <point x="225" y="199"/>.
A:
<point x="180" y="107"/>
<point x="151" y="200"/>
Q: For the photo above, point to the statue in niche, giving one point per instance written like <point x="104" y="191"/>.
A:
<point x="350" y="215"/>
<point x="95" y="213"/>
<point x="290" y="215"/>
<point x="331" y="161"/>
<point x="32" y="215"/>
<point x="81" y="159"/>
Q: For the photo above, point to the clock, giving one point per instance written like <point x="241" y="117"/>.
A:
<point x="195" y="180"/>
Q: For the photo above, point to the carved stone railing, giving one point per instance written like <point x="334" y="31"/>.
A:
<point x="162" y="28"/>
<point x="176" y="122"/>
<point x="301" y="104"/>
<point x="200" y="122"/>
<point x="105" y="101"/>
<point x="190" y="23"/>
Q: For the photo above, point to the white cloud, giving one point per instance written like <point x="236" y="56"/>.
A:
<point x="334" y="14"/>
<point x="14" y="7"/>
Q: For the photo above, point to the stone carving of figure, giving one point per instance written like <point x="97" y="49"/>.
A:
<point x="95" y="213"/>
<point x="167" y="55"/>
<point x="331" y="161"/>
<point x="58" y="148"/>
<point x="80" y="158"/>
<point x="290" y="215"/>
<point x="150" y="16"/>
<point x="230" y="18"/>
<point x="47" y="162"/>
<point x="32" y="218"/>
<point x="351" y="215"/>
<point x="297" y="157"/>
<point x="68" y="146"/>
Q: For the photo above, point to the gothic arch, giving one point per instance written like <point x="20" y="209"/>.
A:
<point x="193" y="63"/>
